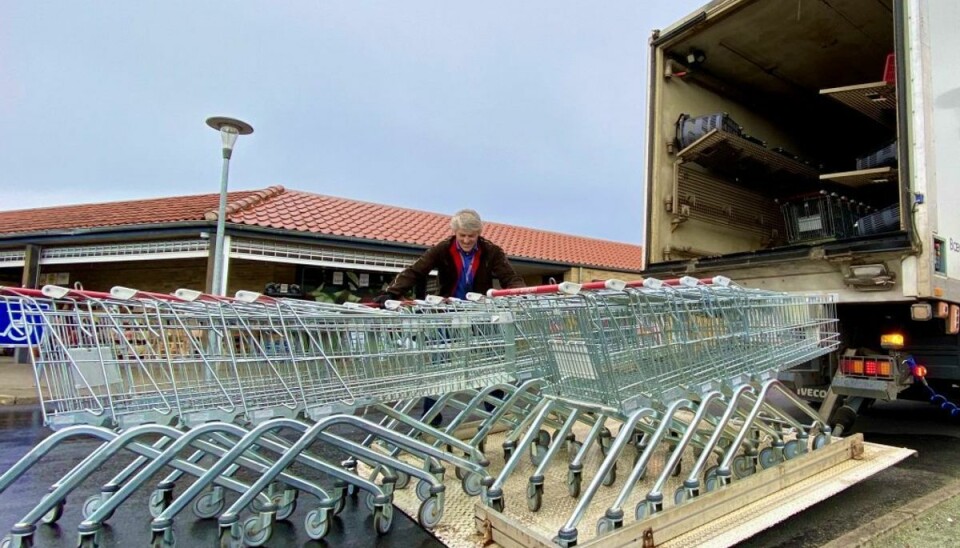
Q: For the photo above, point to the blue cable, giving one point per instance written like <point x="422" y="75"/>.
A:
<point x="939" y="400"/>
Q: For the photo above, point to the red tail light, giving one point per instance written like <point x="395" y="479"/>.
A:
<point x="872" y="367"/>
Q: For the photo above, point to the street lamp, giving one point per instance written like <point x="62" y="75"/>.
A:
<point x="229" y="129"/>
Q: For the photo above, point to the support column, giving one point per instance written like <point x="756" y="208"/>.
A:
<point x="29" y="279"/>
<point x="211" y="260"/>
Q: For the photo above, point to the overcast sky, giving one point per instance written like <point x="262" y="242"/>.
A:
<point x="531" y="112"/>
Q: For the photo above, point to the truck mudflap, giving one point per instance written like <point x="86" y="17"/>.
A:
<point x="720" y="518"/>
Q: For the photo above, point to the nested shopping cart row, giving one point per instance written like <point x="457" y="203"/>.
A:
<point x="676" y="364"/>
<point x="684" y="364"/>
<point x="135" y="361"/>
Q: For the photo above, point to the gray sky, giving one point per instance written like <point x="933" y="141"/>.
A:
<point x="530" y="112"/>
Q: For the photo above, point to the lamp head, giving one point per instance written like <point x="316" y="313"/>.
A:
<point x="230" y="129"/>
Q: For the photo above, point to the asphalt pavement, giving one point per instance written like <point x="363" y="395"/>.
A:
<point x="21" y="428"/>
<point x="876" y="505"/>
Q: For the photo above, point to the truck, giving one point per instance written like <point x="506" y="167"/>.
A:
<point x="812" y="146"/>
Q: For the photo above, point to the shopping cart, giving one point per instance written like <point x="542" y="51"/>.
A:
<point x="164" y="358"/>
<point x="648" y="357"/>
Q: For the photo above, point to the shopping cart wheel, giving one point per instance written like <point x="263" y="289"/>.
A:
<point x="680" y="496"/>
<point x="543" y="438"/>
<point x="383" y="518"/>
<point x="574" y="479"/>
<point x="710" y="481"/>
<point x="537" y="452"/>
<point x="430" y="513"/>
<point x="605" y="440"/>
<point x="820" y="441"/>
<point x="257" y="529"/>
<point x="769" y="458"/>
<point x="642" y="510"/>
<point x="403" y="479"/>
<point x="230" y="536"/>
<point x="317" y="523"/>
<point x="423" y="490"/>
<point x="206" y="506"/>
<point x="89" y="540"/>
<point x="605" y="525"/>
<point x="534" y="497"/>
<point x="339" y="504"/>
<point x="508" y="448"/>
<point x="369" y="500"/>
<point x="286" y="510"/>
<point x="611" y="476"/>
<point x="791" y="449"/>
<point x="743" y="466"/>
<point x="471" y="484"/>
<point x="19" y="541"/>
<point x="158" y="539"/>
<point x="159" y="500"/>
<point x="55" y="513"/>
<point x="91" y="505"/>
<point x="286" y="503"/>
<point x="457" y="471"/>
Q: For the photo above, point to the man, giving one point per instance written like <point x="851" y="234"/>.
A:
<point x="465" y="263"/>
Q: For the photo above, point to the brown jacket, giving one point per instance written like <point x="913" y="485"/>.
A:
<point x="493" y="264"/>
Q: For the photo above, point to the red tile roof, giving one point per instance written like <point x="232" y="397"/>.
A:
<point x="279" y="208"/>
<point x="134" y="212"/>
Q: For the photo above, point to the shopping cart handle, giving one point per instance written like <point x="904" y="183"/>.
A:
<point x="129" y="293"/>
<point x="192" y="295"/>
<point x="59" y="292"/>
<point x="568" y="288"/>
<point x="21" y="291"/>
<point x="686" y="281"/>
<point x="616" y="285"/>
<point x="252" y="297"/>
<point x="722" y="281"/>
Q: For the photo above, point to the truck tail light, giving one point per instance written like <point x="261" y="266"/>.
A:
<point x="861" y="366"/>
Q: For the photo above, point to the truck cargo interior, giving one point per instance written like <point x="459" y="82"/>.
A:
<point x="777" y="129"/>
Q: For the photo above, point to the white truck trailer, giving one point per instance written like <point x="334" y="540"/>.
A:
<point x="812" y="146"/>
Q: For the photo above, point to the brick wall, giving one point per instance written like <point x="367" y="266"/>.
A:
<point x="254" y="275"/>
<point x="170" y="275"/>
<point x="159" y="276"/>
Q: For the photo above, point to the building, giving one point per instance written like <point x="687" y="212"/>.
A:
<point x="280" y="241"/>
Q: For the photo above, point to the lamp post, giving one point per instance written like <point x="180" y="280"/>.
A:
<point x="229" y="129"/>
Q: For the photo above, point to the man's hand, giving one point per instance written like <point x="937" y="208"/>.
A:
<point x="382" y="298"/>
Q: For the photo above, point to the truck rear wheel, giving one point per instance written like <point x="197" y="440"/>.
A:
<point x="843" y="418"/>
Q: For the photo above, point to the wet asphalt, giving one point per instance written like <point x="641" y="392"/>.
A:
<point x="917" y="425"/>
<point x="21" y="428"/>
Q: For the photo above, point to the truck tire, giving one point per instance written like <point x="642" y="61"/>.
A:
<point x="843" y="418"/>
